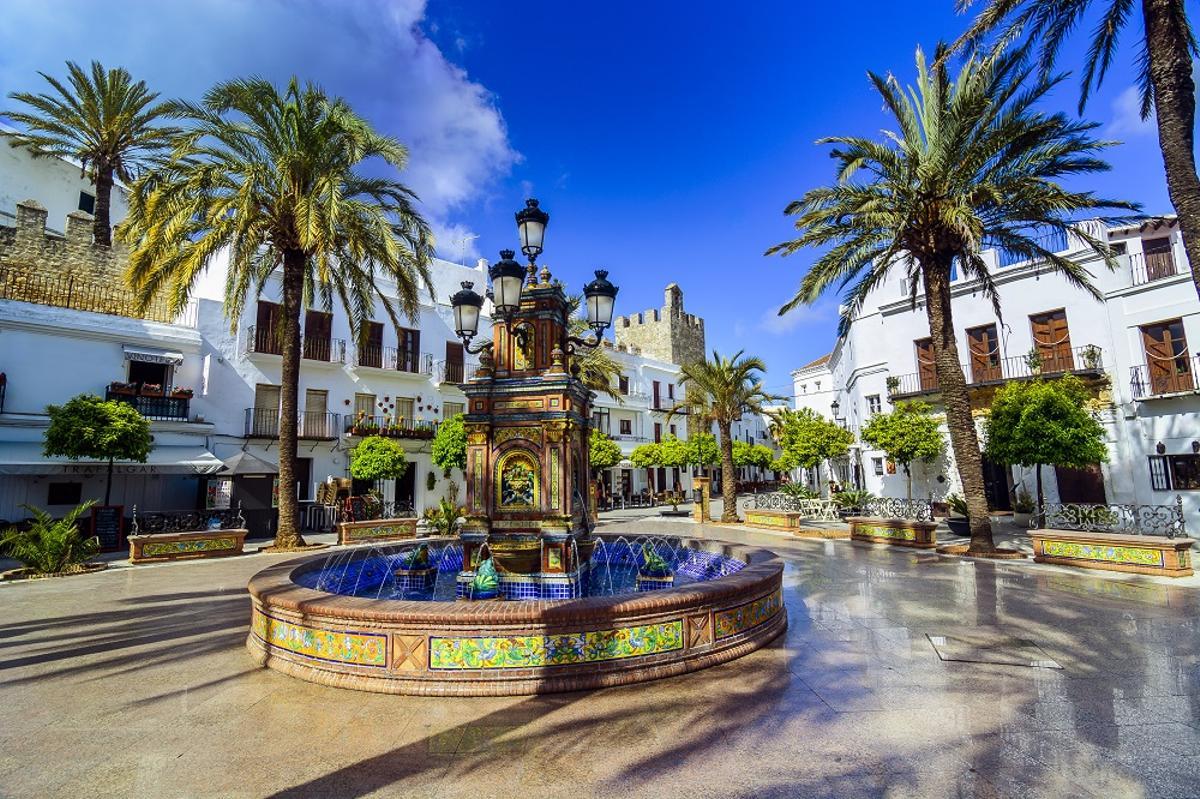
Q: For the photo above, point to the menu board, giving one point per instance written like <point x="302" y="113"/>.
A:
<point x="219" y="495"/>
<point x="108" y="524"/>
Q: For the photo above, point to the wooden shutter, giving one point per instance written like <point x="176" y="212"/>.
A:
<point x="984" y="345"/>
<point x="1052" y="338"/>
<point x="454" y="362"/>
<point x="318" y="326"/>
<point x="410" y="350"/>
<point x="1167" y="357"/>
<point x="926" y="368"/>
<point x="1159" y="262"/>
<point x="371" y="351"/>
<point x="265" y="338"/>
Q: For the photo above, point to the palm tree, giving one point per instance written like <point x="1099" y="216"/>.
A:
<point x="721" y="390"/>
<point x="104" y="121"/>
<point x="972" y="164"/>
<point x="1164" y="73"/>
<point x="272" y="178"/>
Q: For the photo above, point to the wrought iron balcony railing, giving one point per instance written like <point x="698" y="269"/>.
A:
<point x="263" y="341"/>
<point x="323" y="348"/>
<point x="456" y="371"/>
<point x="1149" y="267"/>
<point x="1174" y="376"/>
<point x="159" y="405"/>
<point x="1086" y="359"/>
<point x="390" y="427"/>
<point x="86" y="294"/>
<point x="375" y="356"/>
<point x="266" y="423"/>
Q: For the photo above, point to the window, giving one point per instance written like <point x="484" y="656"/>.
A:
<point x="370" y="352"/>
<point x="404" y="409"/>
<point x="657" y="432"/>
<point x="409" y="356"/>
<point x="657" y="390"/>
<point x="1159" y="263"/>
<point x="670" y="391"/>
<point x="672" y="429"/>
<point x="983" y="345"/>
<point x="265" y="328"/>
<point x="623" y="384"/>
<point x="64" y="493"/>
<point x="874" y="404"/>
<point x="626" y="427"/>
<point x="452" y="409"/>
<point x="364" y="406"/>
<point x="318" y="330"/>
<point x="87" y="202"/>
<point x="926" y="368"/>
<point x="1052" y="339"/>
<point x="877" y="465"/>
<point x="1168" y="364"/>
<point x="1175" y="472"/>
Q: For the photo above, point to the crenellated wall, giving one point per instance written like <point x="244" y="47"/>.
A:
<point x="668" y="333"/>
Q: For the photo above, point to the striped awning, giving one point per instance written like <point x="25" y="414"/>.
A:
<point x="153" y="356"/>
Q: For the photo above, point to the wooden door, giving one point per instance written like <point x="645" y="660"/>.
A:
<point x="266" y="323"/>
<point x="1159" y="262"/>
<point x="984" y="346"/>
<point x="995" y="485"/>
<point x="1084" y="485"/>
<point x="316" y="403"/>
<point x="410" y="350"/>
<point x="1052" y="338"/>
<point x="370" y="353"/>
<point x="318" y="327"/>
<point x="454" y="362"/>
<point x="1167" y="361"/>
<point x="926" y="368"/>
<point x="265" y="416"/>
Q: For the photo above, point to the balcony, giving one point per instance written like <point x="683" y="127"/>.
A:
<point x="1171" y="378"/>
<point x="456" y="372"/>
<point x="390" y="427"/>
<point x="265" y="423"/>
<point x="391" y="359"/>
<point x="154" y="403"/>
<point x="323" y="349"/>
<point x="1087" y="360"/>
<point x="1149" y="267"/>
<point x="265" y="341"/>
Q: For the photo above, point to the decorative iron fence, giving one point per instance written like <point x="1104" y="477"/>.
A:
<point x="84" y="294"/>
<point x="323" y="348"/>
<point x="920" y="510"/>
<point x="1083" y="359"/>
<point x="187" y="521"/>
<point x="162" y="407"/>
<point x="825" y="509"/>
<point x="1127" y="519"/>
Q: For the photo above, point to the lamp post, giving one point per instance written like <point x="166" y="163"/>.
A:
<point x="508" y="288"/>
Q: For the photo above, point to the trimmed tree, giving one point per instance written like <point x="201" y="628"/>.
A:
<point x="378" y="458"/>
<point x="89" y="427"/>
<point x="702" y="450"/>
<point x="809" y="439"/>
<point x="450" y="444"/>
<point x="1044" y="423"/>
<point x="747" y="454"/>
<point x="909" y="433"/>
<point x="646" y="456"/>
<point x="603" y="452"/>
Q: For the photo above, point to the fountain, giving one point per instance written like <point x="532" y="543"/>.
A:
<point x="444" y="616"/>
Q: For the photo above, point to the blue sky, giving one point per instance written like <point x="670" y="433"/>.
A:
<point x="664" y="138"/>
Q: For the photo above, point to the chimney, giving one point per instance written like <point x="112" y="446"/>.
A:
<point x="79" y="227"/>
<point x="482" y="265"/>
<point x="31" y="220"/>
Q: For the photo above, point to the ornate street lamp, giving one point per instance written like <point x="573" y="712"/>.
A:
<point x="600" y="296"/>
<point x="531" y="222"/>
<point x="508" y="278"/>
<point x="834" y="407"/>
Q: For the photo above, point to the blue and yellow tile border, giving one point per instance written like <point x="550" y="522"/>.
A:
<point x="349" y="647"/>
<point x="1168" y="557"/>
<point x="537" y="651"/>
<point x="745" y="617"/>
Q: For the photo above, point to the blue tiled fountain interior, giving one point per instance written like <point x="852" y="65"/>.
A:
<point x="612" y="570"/>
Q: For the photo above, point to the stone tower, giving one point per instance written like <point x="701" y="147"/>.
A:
<point x="667" y="333"/>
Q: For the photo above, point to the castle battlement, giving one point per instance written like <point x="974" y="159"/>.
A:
<point x="667" y="333"/>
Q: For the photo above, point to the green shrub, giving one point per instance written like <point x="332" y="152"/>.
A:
<point x="958" y="504"/>
<point x="49" y="546"/>
<point x="799" y="491"/>
<point x="847" y="500"/>
<point x="1024" y="503"/>
<point x="444" y="517"/>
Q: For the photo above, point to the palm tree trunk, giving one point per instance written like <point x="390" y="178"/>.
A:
<point x="1175" y="113"/>
<point x="964" y="439"/>
<point x="728" y="489"/>
<point x="288" y="533"/>
<point x="101" y="224"/>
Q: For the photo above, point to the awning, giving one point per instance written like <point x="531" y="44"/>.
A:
<point x="153" y="356"/>
<point x="25" y="457"/>
<point x="243" y="464"/>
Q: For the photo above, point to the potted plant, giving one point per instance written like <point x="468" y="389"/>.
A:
<point x="852" y="503"/>
<point x="1023" y="509"/>
<point x="893" y="384"/>
<point x="958" y="522"/>
<point x="181" y="393"/>
<point x="1091" y="357"/>
<point x="674" y="498"/>
<point x="47" y="546"/>
<point x="119" y="387"/>
<point x="152" y="389"/>
<point x="1033" y="360"/>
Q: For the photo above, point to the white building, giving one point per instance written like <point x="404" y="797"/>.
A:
<point x="1131" y="347"/>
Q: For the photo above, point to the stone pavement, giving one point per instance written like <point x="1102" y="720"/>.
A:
<point x="135" y="682"/>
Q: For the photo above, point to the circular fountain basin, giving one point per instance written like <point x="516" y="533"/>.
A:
<point x="494" y="647"/>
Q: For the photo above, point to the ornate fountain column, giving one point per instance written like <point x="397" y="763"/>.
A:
<point x="527" y="457"/>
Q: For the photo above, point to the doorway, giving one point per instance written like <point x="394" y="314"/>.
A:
<point x="996" y="486"/>
<point x="1084" y="485"/>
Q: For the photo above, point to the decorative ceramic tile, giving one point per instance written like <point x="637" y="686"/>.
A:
<point x="875" y="531"/>
<point x="743" y="617"/>
<point x="517" y="481"/>
<point x="534" y="651"/>
<point x="154" y="549"/>
<point x="338" y="646"/>
<point x="381" y="531"/>
<point x="1108" y="554"/>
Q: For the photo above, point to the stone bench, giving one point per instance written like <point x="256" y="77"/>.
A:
<point x="1140" y="554"/>
<point x="901" y="532"/>
<point x="776" y="519"/>
<point x="180" y="546"/>
<point x="373" y="530"/>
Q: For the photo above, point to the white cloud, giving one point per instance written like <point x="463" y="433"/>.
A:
<point x="1127" y="116"/>
<point x="372" y="53"/>
<point x="819" y="316"/>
